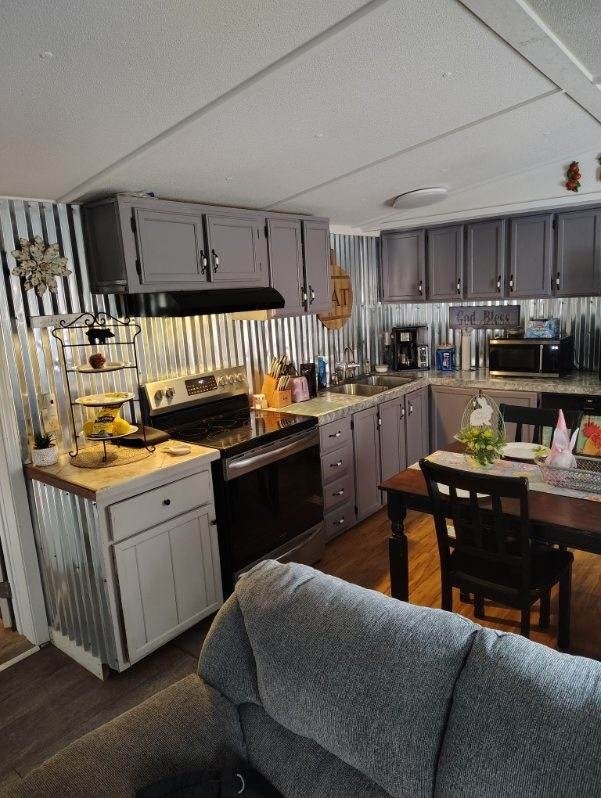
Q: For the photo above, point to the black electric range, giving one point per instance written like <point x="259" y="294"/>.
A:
<point x="267" y="483"/>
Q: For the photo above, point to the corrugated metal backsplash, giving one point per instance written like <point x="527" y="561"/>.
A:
<point x="175" y="346"/>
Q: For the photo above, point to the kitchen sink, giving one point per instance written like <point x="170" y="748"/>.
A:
<point x="358" y="389"/>
<point x="385" y="381"/>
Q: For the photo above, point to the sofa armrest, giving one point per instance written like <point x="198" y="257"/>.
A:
<point x="187" y="726"/>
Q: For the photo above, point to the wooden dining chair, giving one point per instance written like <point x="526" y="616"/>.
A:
<point x="536" y="417"/>
<point x="493" y="554"/>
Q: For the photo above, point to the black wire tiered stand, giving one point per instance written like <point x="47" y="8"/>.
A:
<point x="101" y="329"/>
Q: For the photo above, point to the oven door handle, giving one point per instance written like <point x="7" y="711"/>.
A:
<point x="237" y="466"/>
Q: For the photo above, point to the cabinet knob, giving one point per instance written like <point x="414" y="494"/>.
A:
<point x="339" y="522"/>
<point x="420" y="287"/>
<point x="499" y="283"/>
<point x="557" y="280"/>
<point x="336" y="434"/>
<point x="511" y="282"/>
<point x="459" y="286"/>
<point x="203" y="262"/>
<point x="311" y="295"/>
<point x="410" y="408"/>
<point x="336" y="465"/>
<point x="166" y="502"/>
<point x="338" y="492"/>
<point x="215" y="260"/>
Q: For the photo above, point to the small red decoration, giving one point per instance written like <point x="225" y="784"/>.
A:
<point x="573" y="177"/>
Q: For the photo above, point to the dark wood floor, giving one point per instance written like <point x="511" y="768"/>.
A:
<point x="12" y="644"/>
<point x="47" y="700"/>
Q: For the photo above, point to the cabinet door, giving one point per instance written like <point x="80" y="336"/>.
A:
<point x="444" y="256"/>
<point x="578" y="253"/>
<point x="417" y="425"/>
<point x="233" y="242"/>
<point x="169" y="579"/>
<point x="531" y="256"/>
<point x="485" y="259"/>
<point x="448" y="406"/>
<point x="366" y="442"/>
<point x="393" y="455"/>
<point x="403" y="266"/>
<point x="169" y="249"/>
<point x="316" y="255"/>
<point x="286" y="261"/>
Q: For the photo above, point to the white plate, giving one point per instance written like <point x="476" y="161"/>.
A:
<point x="131" y="429"/>
<point x="109" y="366"/>
<point x="522" y="451"/>
<point x="104" y="399"/>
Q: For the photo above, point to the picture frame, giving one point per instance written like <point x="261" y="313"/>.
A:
<point x="588" y="443"/>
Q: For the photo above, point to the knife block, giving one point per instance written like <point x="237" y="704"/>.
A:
<point x="268" y="387"/>
<point x="281" y="399"/>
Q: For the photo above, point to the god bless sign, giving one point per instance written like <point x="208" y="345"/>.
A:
<point x="484" y="317"/>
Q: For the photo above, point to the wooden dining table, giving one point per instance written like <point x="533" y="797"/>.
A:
<point x="564" y="520"/>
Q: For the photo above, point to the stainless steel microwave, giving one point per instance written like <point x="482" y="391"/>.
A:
<point x="531" y="357"/>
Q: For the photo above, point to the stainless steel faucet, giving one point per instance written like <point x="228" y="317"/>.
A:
<point x="344" y="368"/>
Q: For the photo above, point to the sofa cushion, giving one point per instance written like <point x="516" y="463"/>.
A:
<point x="525" y="721"/>
<point x="364" y="676"/>
<point x="296" y="766"/>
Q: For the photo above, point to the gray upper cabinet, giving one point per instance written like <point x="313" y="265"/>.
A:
<point x="403" y="266"/>
<point x="393" y="455"/>
<point x="366" y="442"/>
<point x="286" y="262"/>
<point x="444" y="257"/>
<point x="232" y="242"/>
<point x="531" y="256"/>
<point x="578" y="264"/>
<point x="316" y="255"/>
<point x="485" y="259"/>
<point x="169" y="248"/>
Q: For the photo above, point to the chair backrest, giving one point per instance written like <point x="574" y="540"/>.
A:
<point x="490" y="516"/>
<point x="536" y="417"/>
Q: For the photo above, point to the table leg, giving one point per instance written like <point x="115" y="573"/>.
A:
<point x="397" y="551"/>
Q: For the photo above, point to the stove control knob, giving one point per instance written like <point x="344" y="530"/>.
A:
<point x="170" y="393"/>
<point x="158" y="395"/>
<point x="221" y="381"/>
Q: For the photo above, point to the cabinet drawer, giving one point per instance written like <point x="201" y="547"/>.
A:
<point x="334" y="435"/>
<point x="337" y="464"/>
<point x="340" y="519"/>
<point x="335" y="493"/>
<point x="160" y="504"/>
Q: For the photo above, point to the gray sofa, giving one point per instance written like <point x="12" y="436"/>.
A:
<point x="332" y="690"/>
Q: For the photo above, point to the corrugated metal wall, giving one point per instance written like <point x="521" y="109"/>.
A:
<point x="175" y="346"/>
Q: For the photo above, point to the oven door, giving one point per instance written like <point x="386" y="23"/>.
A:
<point x="272" y="495"/>
<point x="516" y="358"/>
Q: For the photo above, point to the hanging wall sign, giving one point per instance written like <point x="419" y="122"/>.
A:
<point x="484" y="317"/>
<point x="342" y="297"/>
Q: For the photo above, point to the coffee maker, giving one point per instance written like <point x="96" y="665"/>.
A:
<point x="409" y="350"/>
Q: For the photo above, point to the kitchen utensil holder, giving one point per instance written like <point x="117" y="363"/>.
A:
<point x="281" y="399"/>
<point x="70" y="335"/>
<point x="268" y="387"/>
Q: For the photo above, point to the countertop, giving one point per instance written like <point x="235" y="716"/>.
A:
<point x="331" y="406"/>
<point x="104" y="483"/>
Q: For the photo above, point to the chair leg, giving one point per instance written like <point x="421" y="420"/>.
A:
<point x="447" y="595"/>
<point x="545" y="610"/>
<point x="525" y="622"/>
<point x="478" y="606"/>
<point x="565" y="600"/>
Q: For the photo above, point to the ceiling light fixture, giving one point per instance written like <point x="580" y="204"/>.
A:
<point x="419" y="197"/>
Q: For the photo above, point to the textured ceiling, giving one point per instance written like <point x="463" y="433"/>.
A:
<point x="577" y="23"/>
<point x="330" y="108"/>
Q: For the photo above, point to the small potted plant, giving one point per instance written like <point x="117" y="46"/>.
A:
<point x="484" y="444"/>
<point x="45" y="450"/>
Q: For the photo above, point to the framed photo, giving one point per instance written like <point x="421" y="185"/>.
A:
<point x="589" y="436"/>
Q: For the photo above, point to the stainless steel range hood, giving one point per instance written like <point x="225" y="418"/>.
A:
<point x="199" y="303"/>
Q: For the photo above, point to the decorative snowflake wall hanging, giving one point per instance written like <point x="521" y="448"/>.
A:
<point x="39" y="264"/>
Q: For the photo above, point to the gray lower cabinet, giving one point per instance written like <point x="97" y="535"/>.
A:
<point x="393" y="442"/>
<point x="169" y="578"/>
<point x="235" y="241"/>
<point x="403" y="266"/>
<point x="530" y="256"/>
<point x="578" y="266"/>
<point x="485" y="259"/>
<point x="366" y="441"/>
<point x="444" y="258"/>
<point x="417" y="425"/>
<point x="316" y="256"/>
<point x="448" y="405"/>
<point x="338" y="476"/>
